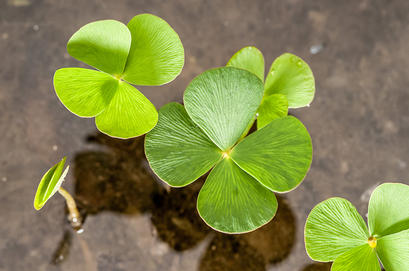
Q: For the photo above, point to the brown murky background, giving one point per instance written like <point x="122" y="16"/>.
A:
<point x="359" y="123"/>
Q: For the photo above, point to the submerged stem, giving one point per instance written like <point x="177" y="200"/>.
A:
<point x="74" y="215"/>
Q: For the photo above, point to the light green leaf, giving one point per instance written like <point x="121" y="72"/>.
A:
<point x="291" y="76"/>
<point x="388" y="210"/>
<point x="231" y="201"/>
<point x="393" y="251"/>
<point x="278" y="155"/>
<point x="49" y="184"/>
<point x="249" y="58"/>
<point x="129" y="114"/>
<point x="156" y="56"/>
<point x="84" y="92"/>
<point x="177" y="150"/>
<point x="222" y="102"/>
<point x="362" y="258"/>
<point x="334" y="227"/>
<point x="272" y="107"/>
<point x="102" y="44"/>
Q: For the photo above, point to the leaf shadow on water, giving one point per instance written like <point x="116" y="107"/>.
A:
<point x="118" y="179"/>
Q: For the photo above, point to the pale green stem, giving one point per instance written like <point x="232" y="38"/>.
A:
<point x="74" y="215"/>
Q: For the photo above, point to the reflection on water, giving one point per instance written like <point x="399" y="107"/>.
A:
<point x="63" y="248"/>
<point x="255" y="250"/>
<point x="113" y="180"/>
<point x="118" y="179"/>
<point x="176" y="219"/>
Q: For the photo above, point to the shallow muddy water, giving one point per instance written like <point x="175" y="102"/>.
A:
<point x="358" y="121"/>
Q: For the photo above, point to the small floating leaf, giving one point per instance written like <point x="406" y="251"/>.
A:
<point x="249" y="58"/>
<point x="291" y="76"/>
<point x="50" y="183"/>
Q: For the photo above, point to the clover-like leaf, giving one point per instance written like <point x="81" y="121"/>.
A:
<point x="232" y="201"/>
<point x="272" y="107"/>
<point x="156" y="56"/>
<point x="120" y="109"/>
<point x="102" y="44"/>
<point x="393" y="250"/>
<point x="388" y="211"/>
<point x="361" y="258"/>
<point x="222" y="102"/>
<point x="249" y="58"/>
<point x="335" y="223"/>
<point x="50" y="183"/>
<point x="146" y="52"/>
<point x="333" y="228"/>
<point x="186" y="144"/>
<point x="278" y="156"/>
<point x="291" y="76"/>
<point x="177" y="150"/>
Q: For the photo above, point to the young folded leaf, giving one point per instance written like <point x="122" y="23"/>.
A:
<point x="50" y="183"/>
<point x="334" y="231"/>
<point x="145" y="52"/>
<point x="238" y="195"/>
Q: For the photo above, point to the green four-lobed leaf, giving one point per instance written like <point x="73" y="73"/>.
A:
<point x="50" y="183"/>
<point x="334" y="231"/>
<point x="145" y="52"/>
<point x="205" y="135"/>
<point x="289" y="82"/>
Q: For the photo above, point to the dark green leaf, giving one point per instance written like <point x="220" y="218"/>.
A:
<point x="231" y="201"/>
<point x="278" y="155"/>
<point x="222" y="102"/>
<point x="177" y="150"/>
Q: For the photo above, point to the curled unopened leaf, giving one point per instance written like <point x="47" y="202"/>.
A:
<point x="50" y="183"/>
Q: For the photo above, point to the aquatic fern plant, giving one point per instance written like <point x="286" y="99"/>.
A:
<point x="209" y="133"/>
<point x="336" y="232"/>
<point x="147" y="51"/>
